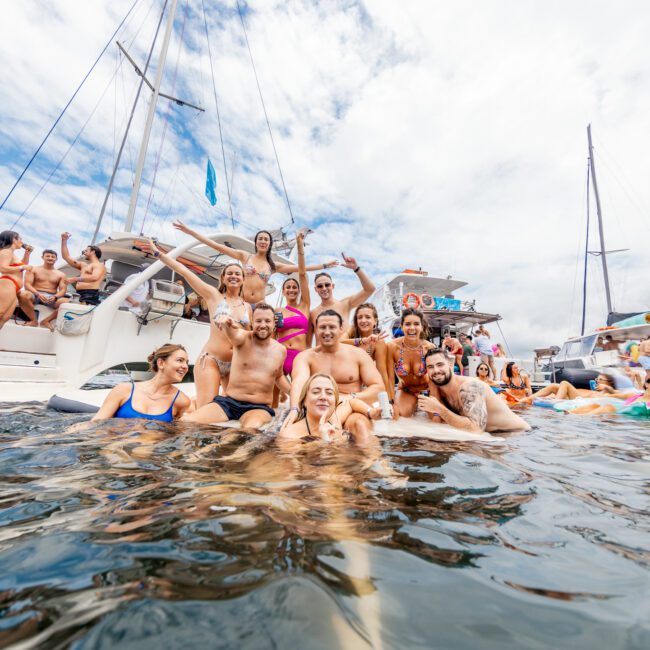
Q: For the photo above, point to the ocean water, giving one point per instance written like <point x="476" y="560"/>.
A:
<point x="145" y="535"/>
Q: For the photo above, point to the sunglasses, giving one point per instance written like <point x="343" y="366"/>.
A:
<point x="324" y="286"/>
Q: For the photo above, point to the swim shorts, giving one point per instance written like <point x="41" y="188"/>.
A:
<point x="89" y="296"/>
<point x="234" y="408"/>
<point x="38" y="301"/>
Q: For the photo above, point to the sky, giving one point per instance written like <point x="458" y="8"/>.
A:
<point x="447" y="136"/>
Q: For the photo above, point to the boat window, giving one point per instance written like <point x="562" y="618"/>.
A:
<point x="570" y="349"/>
<point x="587" y="345"/>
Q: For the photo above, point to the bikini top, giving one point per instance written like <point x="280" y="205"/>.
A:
<point x="127" y="410"/>
<point x="511" y="384"/>
<point x="401" y="371"/>
<point x="224" y="309"/>
<point x="250" y="271"/>
<point x="299" y="321"/>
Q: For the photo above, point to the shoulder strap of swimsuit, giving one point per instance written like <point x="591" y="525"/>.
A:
<point x="171" y="406"/>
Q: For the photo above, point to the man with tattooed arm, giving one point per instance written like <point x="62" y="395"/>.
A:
<point x="464" y="402"/>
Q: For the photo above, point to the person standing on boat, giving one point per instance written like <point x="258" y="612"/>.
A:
<point x="464" y="402"/>
<point x="484" y="347"/>
<point x="351" y="368"/>
<point x="364" y="334"/>
<point x="644" y="356"/>
<point x="293" y="329"/>
<point x="468" y="351"/>
<point x="44" y="285"/>
<point x="146" y="399"/>
<point x="258" y="267"/>
<point x="11" y="272"/>
<point x="257" y="362"/>
<point x="324" y="286"/>
<point x="92" y="270"/>
<point x="212" y="367"/>
<point x="454" y="347"/>
<point x="406" y="360"/>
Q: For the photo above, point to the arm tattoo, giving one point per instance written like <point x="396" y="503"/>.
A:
<point x="473" y="404"/>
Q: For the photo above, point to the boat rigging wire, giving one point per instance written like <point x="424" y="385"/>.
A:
<point x="65" y="108"/>
<point x="584" y="280"/>
<point x="216" y="102"/>
<point x="503" y="336"/>
<point x="268" y="124"/>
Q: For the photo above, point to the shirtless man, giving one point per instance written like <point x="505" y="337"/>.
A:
<point x="44" y="285"/>
<point x="325" y="288"/>
<point x="455" y="348"/>
<point x="92" y="270"/>
<point x="464" y="402"/>
<point x="644" y="356"/>
<point x="352" y="368"/>
<point x="257" y="361"/>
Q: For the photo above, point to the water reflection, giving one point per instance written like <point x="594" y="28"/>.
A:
<point x="144" y="529"/>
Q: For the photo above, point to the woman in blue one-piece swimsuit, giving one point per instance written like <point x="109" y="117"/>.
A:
<point x="156" y="398"/>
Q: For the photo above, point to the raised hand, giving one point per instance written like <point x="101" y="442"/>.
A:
<point x="331" y="264"/>
<point x="326" y="429"/>
<point x="349" y="262"/>
<point x="374" y="338"/>
<point x="65" y="236"/>
<point x="179" y="225"/>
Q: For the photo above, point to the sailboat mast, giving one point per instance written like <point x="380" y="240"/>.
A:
<point x="150" y="115"/>
<point x="603" y="254"/>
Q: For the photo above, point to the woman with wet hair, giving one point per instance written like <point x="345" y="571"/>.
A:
<point x="405" y="358"/>
<point x="11" y="272"/>
<point x="258" y="267"/>
<point x="515" y="383"/>
<point x="321" y="415"/>
<point x="154" y="399"/>
<point x="364" y="333"/>
<point x="212" y="367"/>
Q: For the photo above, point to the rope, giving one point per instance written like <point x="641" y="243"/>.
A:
<point x="268" y="124"/>
<point x="504" y="339"/>
<point x="65" y="108"/>
<point x="216" y="101"/>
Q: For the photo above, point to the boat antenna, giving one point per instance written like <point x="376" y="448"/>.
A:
<point x="65" y="108"/>
<point x="603" y="252"/>
<point x="584" y="280"/>
<point x="268" y="124"/>
<point x="216" y="102"/>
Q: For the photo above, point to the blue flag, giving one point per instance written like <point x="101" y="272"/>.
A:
<point x="211" y="184"/>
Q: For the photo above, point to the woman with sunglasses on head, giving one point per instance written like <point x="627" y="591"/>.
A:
<point x="258" y="267"/>
<point x="11" y="272"/>
<point x="292" y="329"/>
<point x="212" y="367"/>
<point x="405" y="358"/>
<point x="364" y="333"/>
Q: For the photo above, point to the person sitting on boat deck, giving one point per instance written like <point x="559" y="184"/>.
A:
<point x="406" y="360"/>
<point x="608" y="343"/>
<point x="146" y="398"/>
<point x="44" y="285"/>
<point x="364" y="333"/>
<point x="92" y="270"/>
<point x="136" y="301"/>
<point x="292" y="330"/>
<point x="11" y="270"/>
<point x="605" y="385"/>
<point x="257" y="361"/>
<point x="352" y="369"/>
<point x="644" y="355"/>
<point x="515" y="383"/>
<point x="321" y="414"/>
<point x="324" y="286"/>
<point x="468" y="351"/>
<point x="455" y="348"/>
<point x="258" y="267"/>
<point x="464" y="402"/>
<point x="499" y="350"/>
<point x="196" y="308"/>
<point x="484" y="347"/>
<point x="638" y="399"/>
<point x="212" y="367"/>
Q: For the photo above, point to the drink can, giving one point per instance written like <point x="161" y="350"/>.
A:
<point x="385" y="405"/>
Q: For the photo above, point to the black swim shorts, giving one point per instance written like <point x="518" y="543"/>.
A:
<point x="234" y="408"/>
<point x="89" y="296"/>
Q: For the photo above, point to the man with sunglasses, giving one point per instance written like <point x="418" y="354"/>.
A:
<point x="464" y="402"/>
<point x="324" y="286"/>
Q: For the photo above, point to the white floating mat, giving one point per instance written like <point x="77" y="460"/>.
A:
<point x="420" y="427"/>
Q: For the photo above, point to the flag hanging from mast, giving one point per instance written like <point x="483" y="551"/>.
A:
<point x="211" y="184"/>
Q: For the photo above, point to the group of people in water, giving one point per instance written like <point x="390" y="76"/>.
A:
<point x="255" y="355"/>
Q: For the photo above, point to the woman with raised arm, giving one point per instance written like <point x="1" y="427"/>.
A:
<point x="293" y="329"/>
<point x="364" y="334"/>
<point x="212" y="367"/>
<point x="406" y="360"/>
<point x="156" y="398"/>
<point x="516" y="383"/>
<point x="258" y="267"/>
<point x="11" y="272"/>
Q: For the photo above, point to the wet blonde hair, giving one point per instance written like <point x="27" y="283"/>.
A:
<point x="302" y="411"/>
<point x="163" y="352"/>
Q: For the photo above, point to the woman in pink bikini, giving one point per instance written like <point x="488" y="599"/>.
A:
<point x="258" y="268"/>
<point x="212" y="367"/>
<point x="11" y="272"/>
<point x="294" y="328"/>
